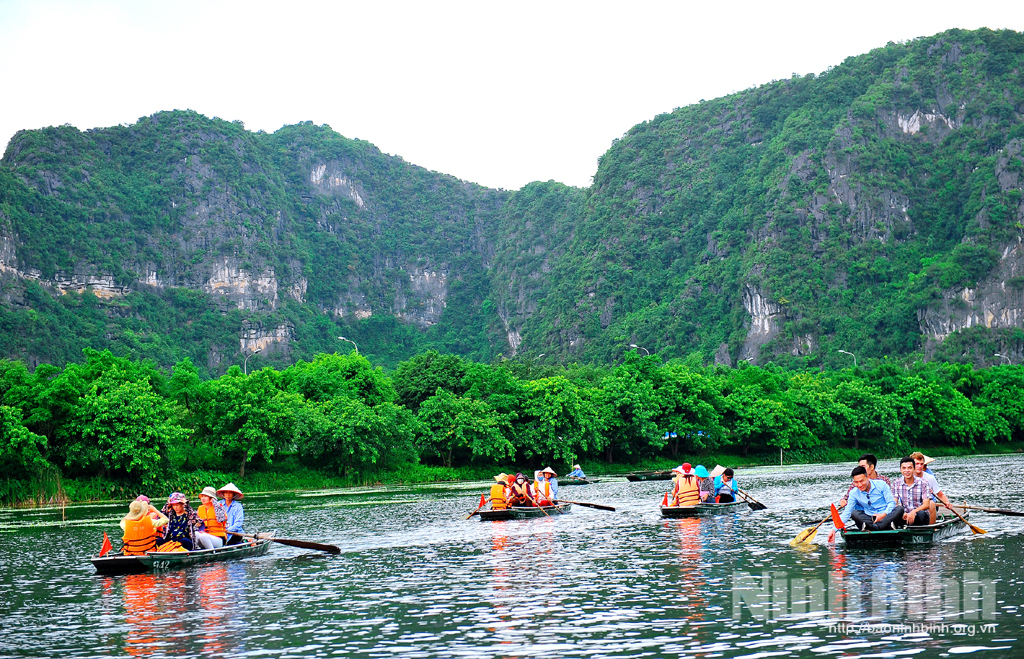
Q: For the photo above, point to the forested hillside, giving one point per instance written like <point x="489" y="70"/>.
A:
<point x="874" y="208"/>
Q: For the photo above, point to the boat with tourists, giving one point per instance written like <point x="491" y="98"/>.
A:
<point x="703" y="509"/>
<point x="946" y="525"/>
<point x="170" y="560"/>
<point x="640" y="476"/>
<point x="525" y="512"/>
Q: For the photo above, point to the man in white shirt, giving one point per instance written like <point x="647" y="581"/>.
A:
<point x="933" y="484"/>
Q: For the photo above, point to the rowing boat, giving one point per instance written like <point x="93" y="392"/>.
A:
<point x="525" y="512"/>
<point x="578" y="481"/>
<point x="703" y="509"/>
<point x="170" y="560"/>
<point x="649" y="476"/>
<point x="945" y="526"/>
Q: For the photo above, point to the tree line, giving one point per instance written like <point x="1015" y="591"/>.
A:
<point x="131" y="422"/>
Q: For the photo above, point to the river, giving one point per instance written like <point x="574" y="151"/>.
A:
<point x="416" y="579"/>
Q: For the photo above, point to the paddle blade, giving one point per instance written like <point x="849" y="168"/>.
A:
<point x="804" y="536"/>
<point x="837" y="519"/>
<point x="106" y="546"/>
<point x="330" y="549"/>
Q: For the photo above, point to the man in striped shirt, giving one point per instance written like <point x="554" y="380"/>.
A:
<point x="913" y="494"/>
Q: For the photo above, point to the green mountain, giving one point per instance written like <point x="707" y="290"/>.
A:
<point x="875" y="208"/>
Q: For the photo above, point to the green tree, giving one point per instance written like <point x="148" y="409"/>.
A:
<point x="455" y="424"/>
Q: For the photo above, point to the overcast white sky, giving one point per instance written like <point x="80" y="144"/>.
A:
<point x="496" y="93"/>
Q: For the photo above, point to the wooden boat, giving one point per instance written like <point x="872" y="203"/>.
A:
<point x="577" y="481"/>
<point x="946" y="525"/>
<point x="703" y="509"/>
<point x="525" y="512"/>
<point x="170" y="560"/>
<point x="665" y="475"/>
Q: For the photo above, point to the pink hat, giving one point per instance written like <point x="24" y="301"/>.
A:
<point x="143" y="498"/>
<point x="177" y="497"/>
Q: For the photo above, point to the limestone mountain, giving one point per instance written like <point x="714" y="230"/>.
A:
<point x="875" y="208"/>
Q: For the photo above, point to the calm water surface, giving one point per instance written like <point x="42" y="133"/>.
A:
<point x="417" y="580"/>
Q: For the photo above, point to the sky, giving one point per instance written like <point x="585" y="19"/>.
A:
<point x="497" y="93"/>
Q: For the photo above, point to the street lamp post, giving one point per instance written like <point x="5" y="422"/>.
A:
<point x="1008" y="361"/>
<point x="245" y="362"/>
<point x="633" y="345"/>
<point x="341" y="338"/>
<point x="850" y="354"/>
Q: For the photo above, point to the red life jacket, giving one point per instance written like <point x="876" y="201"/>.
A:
<point x="520" y="494"/>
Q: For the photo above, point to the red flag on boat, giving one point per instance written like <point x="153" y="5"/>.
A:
<point x="483" y="501"/>
<point x="664" y="501"/>
<point x="106" y="546"/>
<point x="837" y="519"/>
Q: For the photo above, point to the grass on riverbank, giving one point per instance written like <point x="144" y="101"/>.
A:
<point x="288" y="476"/>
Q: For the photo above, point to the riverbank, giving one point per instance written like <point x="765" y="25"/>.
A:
<point x="288" y="477"/>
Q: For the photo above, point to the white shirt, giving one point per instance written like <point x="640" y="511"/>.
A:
<point x="932" y="483"/>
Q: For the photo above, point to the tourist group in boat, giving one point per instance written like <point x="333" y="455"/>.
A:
<point x="178" y="527"/>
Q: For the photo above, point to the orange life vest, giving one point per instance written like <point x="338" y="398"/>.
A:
<point x="139" y="536"/>
<point x="520" y="494"/>
<point x="687" y="492"/>
<point x="498" y="497"/>
<point x="542" y="492"/>
<point x="208" y="514"/>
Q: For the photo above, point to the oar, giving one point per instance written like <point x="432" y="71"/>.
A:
<point x="589" y="505"/>
<point x="997" y="511"/>
<point x="483" y="502"/>
<point x="974" y="528"/>
<point x="751" y="501"/>
<point x="304" y="544"/>
<point x="808" y="534"/>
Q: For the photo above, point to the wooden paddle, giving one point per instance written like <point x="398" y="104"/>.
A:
<point x="477" y="510"/>
<point x="304" y="544"/>
<point x="974" y="529"/>
<point x="808" y="534"/>
<point x="751" y="501"/>
<point x="589" y="505"/>
<point x="997" y="511"/>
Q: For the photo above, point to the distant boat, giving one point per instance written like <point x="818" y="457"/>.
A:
<point x="665" y="475"/>
<point x="169" y="560"/>
<point x="578" y="481"/>
<point x="703" y="509"/>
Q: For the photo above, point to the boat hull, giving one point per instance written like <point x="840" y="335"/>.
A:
<point x="946" y="526"/>
<point x="703" y="509"/>
<point x="578" y="481"/>
<point x="649" y="476"/>
<point x="525" y="512"/>
<point x="170" y="560"/>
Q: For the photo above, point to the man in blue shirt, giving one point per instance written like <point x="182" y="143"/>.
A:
<point x="871" y="504"/>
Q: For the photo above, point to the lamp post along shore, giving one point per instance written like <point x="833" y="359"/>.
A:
<point x="341" y="338"/>
<point x="245" y="362"/>
<point x="850" y="354"/>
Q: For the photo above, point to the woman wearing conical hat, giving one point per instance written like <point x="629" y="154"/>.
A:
<point x="236" y="516"/>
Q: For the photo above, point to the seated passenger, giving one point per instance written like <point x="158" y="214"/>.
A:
<point x="704" y="482"/>
<point x="937" y="495"/>
<point x="685" y="490"/>
<point x="725" y="487"/>
<point x="499" y="495"/>
<point x="140" y="530"/>
<point x="183" y="523"/>
<point x="545" y="489"/>
<point x="914" y="494"/>
<point x="236" y="515"/>
<point x="215" y="519"/>
<point x="155" y="515"/>
<point x="869" y="462"/>
<point x="576" y="473"/>
<point x="871" y="504"/>
<point x="520" y="493"/>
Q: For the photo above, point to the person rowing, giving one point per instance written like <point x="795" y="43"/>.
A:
<point x="725" y="487"/>
<point x="545" y="488"/>
<point x="871" y="504"/>
<point x="576" y="472"/>
<point x="236" y="514"/>
<point x="921" y="471"/>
